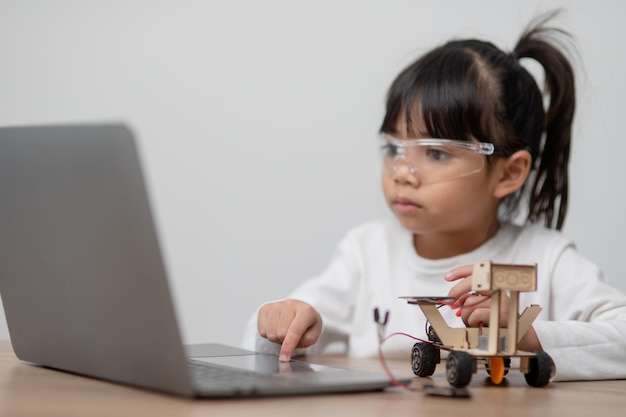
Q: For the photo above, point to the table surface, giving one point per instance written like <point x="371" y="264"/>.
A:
<point x="28" y="390"/>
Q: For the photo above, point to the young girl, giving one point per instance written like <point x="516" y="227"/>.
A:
<point x="466" y="140"/>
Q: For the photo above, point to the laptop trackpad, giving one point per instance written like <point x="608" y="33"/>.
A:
<point x="233" y="357"/>
<point x="265" y="364"/>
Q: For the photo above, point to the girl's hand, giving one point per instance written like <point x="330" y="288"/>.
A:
<point x="292" y="323"/>
<point x="475" y="307"/>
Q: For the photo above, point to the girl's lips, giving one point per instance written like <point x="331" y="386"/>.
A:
<point x="405" y="206"/>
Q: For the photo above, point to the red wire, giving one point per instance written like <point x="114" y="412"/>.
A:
<point x="455" y="304"/>
<point x="383" y="363"/>
<point x="381" y="357"/>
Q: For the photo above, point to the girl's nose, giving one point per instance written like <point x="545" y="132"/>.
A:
<point x="404" y="172"/>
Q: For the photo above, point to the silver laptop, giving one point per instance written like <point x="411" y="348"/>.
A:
<point x="83" y="283"/>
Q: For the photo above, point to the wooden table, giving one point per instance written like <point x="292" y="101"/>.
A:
<point x="27" y="390"/>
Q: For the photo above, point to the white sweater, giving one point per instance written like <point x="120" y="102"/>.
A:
<point x="582" y="325"/>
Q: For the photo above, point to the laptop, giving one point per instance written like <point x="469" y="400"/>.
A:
<point x="83" y="283"/>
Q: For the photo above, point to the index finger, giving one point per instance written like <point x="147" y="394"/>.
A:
<point x="460" y="272"/>
<point x="291" y="341"/>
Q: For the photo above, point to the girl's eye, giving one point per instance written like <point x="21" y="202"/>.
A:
<point x="438" y="154"/>
<point x="390" y="150"/>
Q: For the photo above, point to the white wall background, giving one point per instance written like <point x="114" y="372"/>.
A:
<point x="258" y="121"/>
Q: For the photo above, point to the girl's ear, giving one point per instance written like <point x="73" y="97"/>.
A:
<point x="512" y="173"/>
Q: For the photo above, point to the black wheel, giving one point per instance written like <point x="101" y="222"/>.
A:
<point x="459" y="369"/>
<point x="424" y="358"/>
<point x="540" y="370"/>
<point x="507" y="365"/>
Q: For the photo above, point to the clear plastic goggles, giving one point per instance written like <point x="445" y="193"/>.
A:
<point x="434" y="160"/>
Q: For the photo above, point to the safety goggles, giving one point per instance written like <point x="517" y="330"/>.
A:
<point x="433" y="160"/>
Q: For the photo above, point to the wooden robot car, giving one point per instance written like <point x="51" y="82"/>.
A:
<point x="495" y="346"/>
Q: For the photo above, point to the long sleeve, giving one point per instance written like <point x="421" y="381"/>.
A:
<point x="585" y="332"/>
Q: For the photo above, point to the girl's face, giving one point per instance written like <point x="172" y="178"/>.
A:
<point x="448" y="217"/>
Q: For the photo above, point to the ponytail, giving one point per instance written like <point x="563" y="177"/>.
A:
<point x="549" y="192"/>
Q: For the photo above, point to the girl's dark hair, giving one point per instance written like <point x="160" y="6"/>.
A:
<point x="471" y="89"/>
